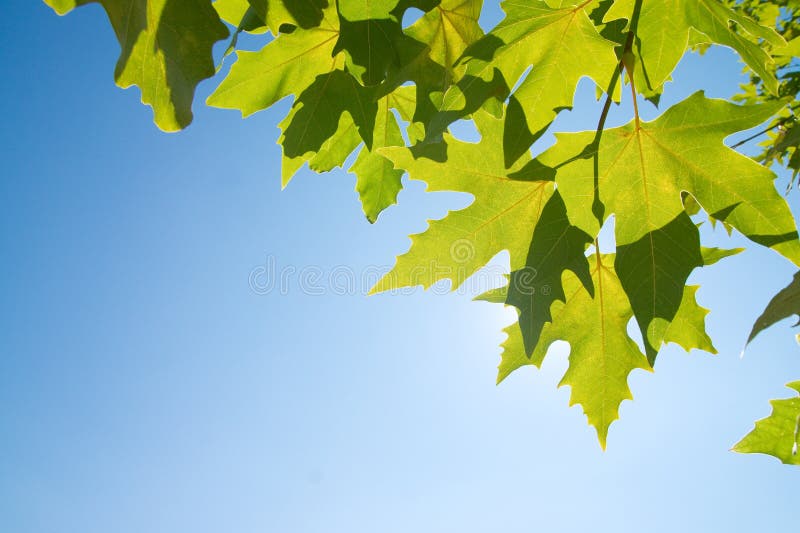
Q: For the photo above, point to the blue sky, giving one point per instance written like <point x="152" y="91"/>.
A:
<point x="146" y="387"/>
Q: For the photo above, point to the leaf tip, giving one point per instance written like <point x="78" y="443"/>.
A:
<point x="602" y="437"/>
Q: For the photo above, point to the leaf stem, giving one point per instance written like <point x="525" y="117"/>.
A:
<point x="635" y="103"/>
<point x="598" y="209"/>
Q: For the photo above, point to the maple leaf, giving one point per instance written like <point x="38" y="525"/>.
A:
<point x="166" y="50"/>
<point x="302" y="13"/>
<point x="653" y="271"/>
<point x="783" y="305"/>
<point x="272" y="14"/>
<point x="318" y="110"/>
<point x="372" y="36"/>
<point x="778" y="434"/>
<point x="258" y="16"/>
<point x="243" y="16"/>
<point x="556" y="246"/>
<point x="643" y="168"/>
<point x="664" y="29"/>
<point x="687" y="327"/>
<point x="502" y="216"/>
<point x="561" y="45"/>
<point x="437" y="37"/>
<point x="593" y="321"/>
<point x="331" y="154"/>
<point x="378" y="182"/>
<point x="447" y="30"/>
<point x="687" y="330"/>
<point x="602" y="355"/>
<point x="285" y="66"/>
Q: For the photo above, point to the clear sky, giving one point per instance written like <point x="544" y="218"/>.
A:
<point x="145" y="387"/>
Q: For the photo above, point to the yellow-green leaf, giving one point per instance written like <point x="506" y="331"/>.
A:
<point x="378" y="182"/>
<point x="166" y="50"/>
<point x="778" y="434"/>
<point x="783" y="305"/>
<point x="644" y="168"/>
<point x="285" y="66"/>
<point x="502" y="217"/>
<point x="560" y="45"/>
<point x="663" y="29"/>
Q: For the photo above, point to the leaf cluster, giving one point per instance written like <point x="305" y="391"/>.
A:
<point x="369" y="86"/>
<point x="782" y="143"/>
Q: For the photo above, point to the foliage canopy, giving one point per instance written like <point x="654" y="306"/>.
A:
<point x="362" y="81"/>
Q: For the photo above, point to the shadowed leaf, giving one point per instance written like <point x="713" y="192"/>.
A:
<point x="166" y="50"/>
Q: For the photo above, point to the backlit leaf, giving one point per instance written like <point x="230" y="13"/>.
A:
<point x="166" y="50"/>
<point x="643" y="171"/>
<point x="663" y="30"/>
<point x="783" y="305"/>
<point x="502" y="216"/>
<point x="778" y="434"/>
<point x="560" y="45"/>
<point x="285" y="66"/>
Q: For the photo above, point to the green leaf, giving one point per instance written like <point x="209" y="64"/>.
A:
<point x="166" y="50"/>
<point x="602" y="355"/>
<point x="305" y="13"/>
<point x="447" y="30"/>
<point x="557" y="246"/>
<point x="663" y="35"/>
<point x="241" y="15"/>
<point x="502" y="216"/>
<point x="275" y="14"/>
<point x="461" y="100"/>
<point x="372" y="37"/>
<point x="783" y="305"/>
<point x="687" y="327"/>
<point x="238" y="13"/>
<point x="653" y="271"/>
<point x="378" y="182"/>
<point x="331" y="154"/>
<point x="285" y="66"/>
<point x="776" y="435"/>
<point x="643" y="170"/>
<point x="792" y="49"/>
<point x="318" y="110"/>
<point x="357" y="10"/>
<point x="687" y="330"/>
<point x="713" y="255"/>
<point x="513" y="353"/>
<point x="371" y="48"/>
<point x="601" y="352"/>
<point x="594" y="323"/>
<point x="561" y="45"/>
